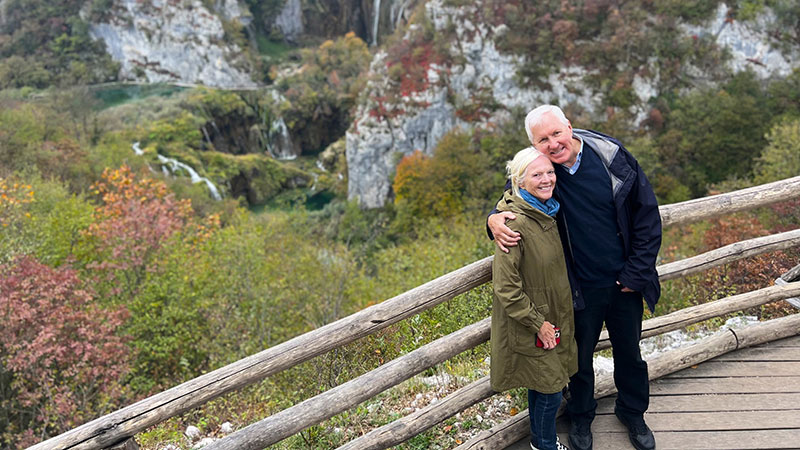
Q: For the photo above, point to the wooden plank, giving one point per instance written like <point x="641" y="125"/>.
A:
<point x="790" y="342"/>
<point x="712" y="440"/>
<point x="742" y="200"/>
<point x="792" y="275"/>
<point x="725" y="386"/>
<point x="715" y="369"/>
<point x="712" y="402"/>
<point x="707" y="421"/>
<point x="764" y="354"/>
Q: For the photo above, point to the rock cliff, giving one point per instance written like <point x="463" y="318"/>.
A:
<point x="174" y="41"/>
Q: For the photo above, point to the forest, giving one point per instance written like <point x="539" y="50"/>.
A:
<point x="120" y="278"/>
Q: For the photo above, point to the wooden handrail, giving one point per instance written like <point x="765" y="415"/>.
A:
<point x="728" y="254"/>
<point x="112" y="428"/>
<point x="699" y="313"/>
<point x="345" y="396"/>
<point x="731" y="202"/>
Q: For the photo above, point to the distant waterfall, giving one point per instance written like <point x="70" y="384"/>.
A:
<point x="174" y="165"/>
<point x="377" y="18"/>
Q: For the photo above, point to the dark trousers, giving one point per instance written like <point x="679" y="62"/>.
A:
<point x="622" y="314"/>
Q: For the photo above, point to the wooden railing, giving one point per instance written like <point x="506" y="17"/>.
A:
<point x="119" y="426"/>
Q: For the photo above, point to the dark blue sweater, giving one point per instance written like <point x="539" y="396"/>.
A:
<point x="591" y="220"/>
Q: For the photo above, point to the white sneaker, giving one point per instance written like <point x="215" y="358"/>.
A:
<point x="559" y="445"/>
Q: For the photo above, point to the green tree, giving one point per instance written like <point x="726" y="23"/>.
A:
<point x="321" y="96"/>
<point x="54" y="43"/>
<point x="781" y="157"/>
<point x="715" y="133"/>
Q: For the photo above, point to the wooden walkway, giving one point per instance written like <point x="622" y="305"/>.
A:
<point x="746" y="399"/>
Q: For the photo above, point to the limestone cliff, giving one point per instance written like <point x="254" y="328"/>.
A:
<point x="174" y="41"/>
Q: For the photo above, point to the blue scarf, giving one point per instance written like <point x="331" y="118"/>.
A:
<point x="550" y="207"/>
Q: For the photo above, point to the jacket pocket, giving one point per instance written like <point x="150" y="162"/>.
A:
<point x="523" y="339"/>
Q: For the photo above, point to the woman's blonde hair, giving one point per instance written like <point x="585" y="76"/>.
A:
<point x="515" y="169"/>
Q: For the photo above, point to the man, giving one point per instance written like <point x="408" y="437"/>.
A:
<point x="611" y="232"/>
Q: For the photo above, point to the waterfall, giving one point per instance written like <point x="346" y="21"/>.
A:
<point x="377" y="18"/>
<point x="280" y="141"/>
<point x="174" y="165"/>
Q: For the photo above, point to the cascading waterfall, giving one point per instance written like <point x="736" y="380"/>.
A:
<point x="377" y="18"/>
<point x="174" y="165"/>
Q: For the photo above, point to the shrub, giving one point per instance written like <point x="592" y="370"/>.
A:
<point x="781" y="157"/>
<point x="61" y="359"/>
<point x="136" y="219"/>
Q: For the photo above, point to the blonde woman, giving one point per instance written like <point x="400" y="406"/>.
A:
<point x="532" y="341"/>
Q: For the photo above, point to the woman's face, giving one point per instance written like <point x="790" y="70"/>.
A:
<point x="539" y="179"/>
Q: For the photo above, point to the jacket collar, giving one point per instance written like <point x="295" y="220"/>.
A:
<point x="516" y="204"/>
<point x="607" y="151"/>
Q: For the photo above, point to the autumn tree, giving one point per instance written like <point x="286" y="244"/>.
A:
<point x="445" y="184"/>
<point x="146" y="241"/>
<point x="61" y="360"/>
<point x="137" y="218"/>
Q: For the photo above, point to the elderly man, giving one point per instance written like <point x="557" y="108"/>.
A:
<point x="611" y="233"/>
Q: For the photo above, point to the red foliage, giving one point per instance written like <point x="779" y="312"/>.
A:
<point x="415" y="57"/>
<point x="137" y="218"/>
<point x="381" y="111"/>
<point x="756" y="272"/>
<point x="61" y="360"/>
<point x="788" y="211"/>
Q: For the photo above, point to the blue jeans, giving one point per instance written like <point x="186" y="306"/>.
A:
<point x="542" y="409"/>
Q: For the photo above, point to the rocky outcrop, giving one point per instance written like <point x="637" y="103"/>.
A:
<point x="748" y="43"/>
<point x="384" y="133"/>
<point x="231" y="10"/>
<point x="175" y="42"/>
<point x="290" y="20"/>
<point x="368" y="19"/>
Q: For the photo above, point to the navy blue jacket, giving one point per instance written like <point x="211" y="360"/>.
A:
<point x="638" y="218"/>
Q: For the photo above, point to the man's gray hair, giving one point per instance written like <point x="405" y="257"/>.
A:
<point x="515" y="169"/>
<point x="534" y="118"/>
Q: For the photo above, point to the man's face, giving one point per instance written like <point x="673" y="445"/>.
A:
<point x="554" y="139"/>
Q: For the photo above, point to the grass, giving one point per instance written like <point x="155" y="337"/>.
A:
<point x="274" y="49"/>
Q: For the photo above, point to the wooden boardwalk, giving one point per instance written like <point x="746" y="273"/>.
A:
<point x="746" y="399"/>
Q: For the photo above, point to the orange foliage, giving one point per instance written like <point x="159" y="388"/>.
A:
<point x="424" y="188"/>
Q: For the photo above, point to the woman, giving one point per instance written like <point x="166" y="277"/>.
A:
<point x="532" y="300"/>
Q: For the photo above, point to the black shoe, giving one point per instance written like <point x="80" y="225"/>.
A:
<point x="639" y="433"/>
<point x="580" y="435"/>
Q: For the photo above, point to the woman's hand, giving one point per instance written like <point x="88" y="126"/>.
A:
<point x="504" y="237"/>
<point x="547" y="335"/>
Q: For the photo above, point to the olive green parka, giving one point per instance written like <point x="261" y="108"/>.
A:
<point x="530" y="287"/>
